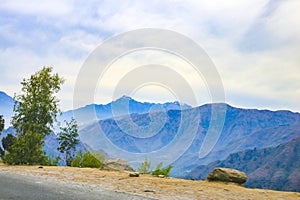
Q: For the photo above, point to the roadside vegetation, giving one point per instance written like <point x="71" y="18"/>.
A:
<point x="88" y="159"/>
<point x="35" y="113"/>
<point x="145" y="168"/>
<point x="36" y="109"/>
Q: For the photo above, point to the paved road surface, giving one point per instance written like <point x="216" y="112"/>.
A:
<point x="13" y="186"/>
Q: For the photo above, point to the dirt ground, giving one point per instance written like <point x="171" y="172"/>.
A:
<point x="159" y="188"/>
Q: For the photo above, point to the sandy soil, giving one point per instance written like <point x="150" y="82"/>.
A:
<point x="160" y="188"/>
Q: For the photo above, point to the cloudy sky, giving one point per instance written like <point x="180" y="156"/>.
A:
<point x="254" y="45"/>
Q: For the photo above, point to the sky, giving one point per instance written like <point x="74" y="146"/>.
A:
<point x="254" y="45"/>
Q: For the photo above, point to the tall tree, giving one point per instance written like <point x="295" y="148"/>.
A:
<point x="68" y="139"/>
<point x="36" y="109"/>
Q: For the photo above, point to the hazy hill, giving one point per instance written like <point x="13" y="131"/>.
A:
<point x="90" y="113"/>
<point x="121" y="107"/>
<point x="275" y="168"/>
<point x="6" y="107"/>
<point x="243" y="129"/>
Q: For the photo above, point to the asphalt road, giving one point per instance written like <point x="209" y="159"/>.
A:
<point x="13" y="186"/>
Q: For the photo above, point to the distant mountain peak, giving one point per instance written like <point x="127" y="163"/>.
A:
<point x="124" y="97"/>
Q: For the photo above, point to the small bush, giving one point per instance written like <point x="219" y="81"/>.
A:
<point x="165" y="171"/>
<point x="144" y="168"/>
<point x="51" y="160"/>
<point x="88" y="159"/>
<point x="78" y="160"/>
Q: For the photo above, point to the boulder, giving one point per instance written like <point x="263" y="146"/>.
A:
<point x="117" y="164"/>
<point x="134" y="174"/>
<point x="227" y="175"/>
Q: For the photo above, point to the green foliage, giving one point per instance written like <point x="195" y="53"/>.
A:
<point x="99" y="156"/>
<point x="26" y="149"/>
<point x="51" y="160"/>
<point x="68" y="139"/>
<point x="159" y="171"/>
<point x="144" y="168"/>
<point x="7" y="143"/>
<point x="88" y="160"/>
<point x="35" y="110"/>
<point x="78" y="160"/>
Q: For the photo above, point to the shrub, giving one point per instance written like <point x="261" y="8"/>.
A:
<point x="144" y="168"/>
<point x="165" y="171"/>
<point x="78" y="160"/>
<point x="51" y="160"/>
<point x="88" y="159"/>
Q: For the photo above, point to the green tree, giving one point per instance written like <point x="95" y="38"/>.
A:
<point x="7" y="142"/>
<point x="68" y="139"/>
<point x="36" y="109"/>
<point x="144" y="168"/>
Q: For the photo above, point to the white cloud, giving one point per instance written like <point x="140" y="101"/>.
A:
<point x="284" y="24"/>
<point x="254" y="44"/>
<point x="36" y="7"/>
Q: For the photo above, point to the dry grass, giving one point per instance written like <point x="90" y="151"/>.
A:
<point x="164" y="188"/>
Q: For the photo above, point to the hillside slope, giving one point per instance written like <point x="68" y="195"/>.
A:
<point x="270" y="168"/>
<point x="243" y="129"/>
<point x="146" y="185"/>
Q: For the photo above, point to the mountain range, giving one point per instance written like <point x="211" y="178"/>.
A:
<point x="274" y="168"/>
<point x="123" y="106"/>
<point x="242" y="129"/>
<point x="88" y="114"/>
<point x="179" y="131"/>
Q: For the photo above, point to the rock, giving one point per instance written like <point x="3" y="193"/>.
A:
<point x="117" y="164"/>
<point x="134" y="174"/>
<point x="40" y="167"/>
<point x="149" y="191"/>
<point x="161" y="176"/>
<point x="227" y="175"/>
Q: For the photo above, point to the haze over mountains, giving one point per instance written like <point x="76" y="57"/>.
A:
<point x="139" y="128"/>
<point x="121" y="107"/>
<point x="243" y="129"/>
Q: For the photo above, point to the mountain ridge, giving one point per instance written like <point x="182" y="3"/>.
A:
<point x="122" y="106"/>
<point x="242" y="129"/>
<point x="274" y="168"/>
